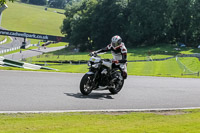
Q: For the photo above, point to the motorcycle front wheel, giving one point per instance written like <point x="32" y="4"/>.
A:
<point x="86" y="84"/>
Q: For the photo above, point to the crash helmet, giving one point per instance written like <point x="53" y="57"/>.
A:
<point x="116" y="40"/>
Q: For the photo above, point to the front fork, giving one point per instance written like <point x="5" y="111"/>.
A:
<point x="94" y="83"/>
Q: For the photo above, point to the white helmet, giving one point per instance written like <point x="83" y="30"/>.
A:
<point x="116" y="40"/>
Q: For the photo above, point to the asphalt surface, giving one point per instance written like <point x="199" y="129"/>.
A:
<point x="31" y="53"/>
<point x="40" y="91"/>
<point x="16" y="42"/>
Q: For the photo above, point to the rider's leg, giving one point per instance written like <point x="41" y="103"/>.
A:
<point x="124" y="70"/>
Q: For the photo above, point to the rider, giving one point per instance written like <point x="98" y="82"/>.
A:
<point x="119" y="53"/>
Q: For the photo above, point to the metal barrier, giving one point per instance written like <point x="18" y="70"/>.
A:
<point x="13" y="63"/>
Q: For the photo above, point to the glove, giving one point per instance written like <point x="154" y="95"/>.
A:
<point x="93" y="53"/>
<point x="116" y="61"/>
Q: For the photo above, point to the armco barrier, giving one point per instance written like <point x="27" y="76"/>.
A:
<point x="13" y="63"/>
<point x="8" y="50"/>
<point x="1" y="60"/>
<point x="3" y="41"/>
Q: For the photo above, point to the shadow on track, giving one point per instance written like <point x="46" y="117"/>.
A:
<point x="99" y="96"/>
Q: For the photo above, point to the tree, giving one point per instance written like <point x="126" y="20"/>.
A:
<point x="4" y="1"/>
<point x="138" y="22"/>
<point x="24" y="1"/>
<point x="38" y="2"/>
<point x="57" y="3"/>
<point x="108" y="20"/>
<point x="195" y="25"/>
<point x="148" y="22"/>
<point x="92" y="23"/>
<point x="180" y="21"/>
<point x="76" y="25"/>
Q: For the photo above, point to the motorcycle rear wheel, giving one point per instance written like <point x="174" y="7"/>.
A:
<point x="85" y="85"/>
<point x="119" y="83"/>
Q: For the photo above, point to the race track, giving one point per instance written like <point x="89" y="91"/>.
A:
<point x="42" y="91"/>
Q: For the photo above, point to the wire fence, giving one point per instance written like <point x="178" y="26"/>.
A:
<point x="64" y="58"/>
<point x="51" y="59"/>
<point x="186" y="70"/>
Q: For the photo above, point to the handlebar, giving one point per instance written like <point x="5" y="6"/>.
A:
<point x="93" y="54"/>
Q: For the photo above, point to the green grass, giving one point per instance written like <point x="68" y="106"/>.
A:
<point x="8" y="40"/>
<point x="70" y="68"/>
<point x="57" y="44"/>
<point x="141" y="53"/>
<point x="166" y="68"/>
<point x="31" y="18"/>
<point x="34" y="19"/>
<point x="54" y="57"/>
<point x="3" y="37"/>
<point x="155" y="68"/>
<point x="66" y="54"/>
<point x="35" y="41"/>
<point x="43" y="7"/>
<point x="191" y="62"/>
<point x="157" y="122"/>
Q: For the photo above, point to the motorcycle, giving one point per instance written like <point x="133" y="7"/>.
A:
<point x="103" y="75"/>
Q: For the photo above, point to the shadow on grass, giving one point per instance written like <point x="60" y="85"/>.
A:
<point x="100" y="96"/>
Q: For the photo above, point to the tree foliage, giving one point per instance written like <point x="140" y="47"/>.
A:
<point x="37" y="2"/>
<point x="147" y="22"/>
<point x="4" y="1"/>
<point x="78" y="21"/>
<point x="61" y="3"/>
<point x="107" y="20"/>
<point x="91" y="23"/>
<point x="57" y="3"/>
<point x="24" y="1"/>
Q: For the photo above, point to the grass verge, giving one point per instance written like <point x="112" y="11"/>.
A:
<point x="166" y="68"/>
<point x="32" y="18"/>
<point x="8" y="39"/>
<point x="186" y="121"/>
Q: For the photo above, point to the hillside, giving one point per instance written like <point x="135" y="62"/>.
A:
<point x="31" y="18"/>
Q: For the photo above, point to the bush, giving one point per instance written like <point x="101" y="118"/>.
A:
<point x="38" y="2"/>
<point x="24" y="1"/>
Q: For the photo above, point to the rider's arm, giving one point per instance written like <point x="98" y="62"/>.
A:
<point x="124" y="58"/>
<point x="124" y="54"/>
<point x="108" y="48"/>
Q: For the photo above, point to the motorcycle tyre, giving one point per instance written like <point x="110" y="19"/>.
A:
<point x="83" y="83"/>
<point x="113" y="90"/>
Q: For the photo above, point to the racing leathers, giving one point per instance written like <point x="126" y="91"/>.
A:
<point x="119" y="54"/>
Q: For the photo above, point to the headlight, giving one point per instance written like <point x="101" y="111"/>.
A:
<point x="95" y="65"/>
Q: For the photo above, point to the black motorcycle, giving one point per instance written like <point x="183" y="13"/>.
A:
<point x="103" y="75"/>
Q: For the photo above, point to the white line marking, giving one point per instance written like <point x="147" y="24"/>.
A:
<point x="106" y="110"/>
